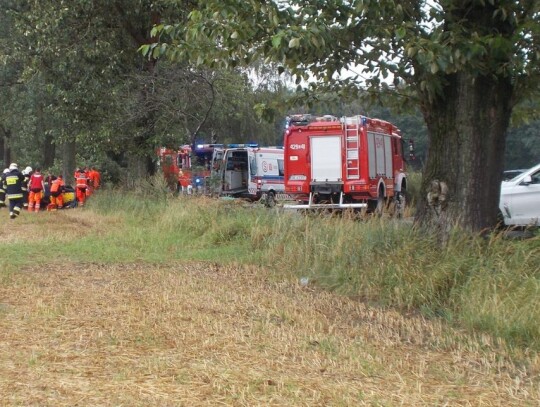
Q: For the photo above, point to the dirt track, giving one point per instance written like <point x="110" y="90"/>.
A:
<point x="139" y="335"/>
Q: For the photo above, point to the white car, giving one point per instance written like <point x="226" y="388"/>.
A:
<point x="520" y="199"/>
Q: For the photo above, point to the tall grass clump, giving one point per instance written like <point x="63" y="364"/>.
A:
<point x="149" y="196"/>
<point x="170" y="226"/>
<point x="414" y="187"/>
<point x="486" y="285"/>
<point x="503" y="294"/>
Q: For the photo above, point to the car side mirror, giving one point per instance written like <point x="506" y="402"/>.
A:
<point x="526" y="180"/>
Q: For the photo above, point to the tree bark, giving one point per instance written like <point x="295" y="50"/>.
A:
<point x="49" y="151"/>
<point x="48" y="147"/>
<point x="467" y="127"/>
<point x="69" y="149"/>
<point x="5" y="149"/>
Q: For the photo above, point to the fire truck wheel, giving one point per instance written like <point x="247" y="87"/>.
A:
<point x="377" y="207"/>
<point x="270" y="199"/>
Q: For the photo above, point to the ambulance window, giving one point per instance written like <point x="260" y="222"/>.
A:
<point x="281" y="167"/>
<point x="253" y="165"/>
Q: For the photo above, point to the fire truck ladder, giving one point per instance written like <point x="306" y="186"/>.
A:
<point x="352" y="144"/>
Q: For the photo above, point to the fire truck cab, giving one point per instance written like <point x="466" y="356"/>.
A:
<point x="189" y="163"/>
<point x="349" y="162"/>
<point x="249" y="171"/>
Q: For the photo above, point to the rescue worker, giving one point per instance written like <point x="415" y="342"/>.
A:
<point x="2" y="190"/>
<point x="57" y="188"/>
<point x="27" y="172"/>
<point x="81" y="185"/>
<point x="95" y="176"/>
<point x="89" y="182"/>
<point x="49" y="178"/>
<point x="14" y="186"/>
<point x="185" y="182"/>
<point x="37" y="188"/>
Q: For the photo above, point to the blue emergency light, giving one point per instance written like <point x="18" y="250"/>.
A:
<point x="242" y="145"/>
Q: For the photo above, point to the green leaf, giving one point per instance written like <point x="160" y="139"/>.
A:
<point x="156" y="30"/>
<point x="294" y="43"/>
<point x="143" y="49"/>
<point x="400" y="33"/>
<point x="276" y="40"/>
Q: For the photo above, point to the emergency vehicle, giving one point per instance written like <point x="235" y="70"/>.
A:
<point x="194" y="162"/>
<point x="251" y="172"/>
<point x="349" y="162"/>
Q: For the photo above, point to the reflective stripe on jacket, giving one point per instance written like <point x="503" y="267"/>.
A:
<point x="14" y="184"/>
<point x="81" y="180"/>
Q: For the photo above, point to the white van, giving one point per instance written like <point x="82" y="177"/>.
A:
<point x="253" y="173"/>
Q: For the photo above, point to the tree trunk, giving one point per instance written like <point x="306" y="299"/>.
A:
<point x="69" y="161"/>
<point x="48" y="147"/>
<point x="49" y="151"/>
<point x="5" y="150"/>
<point x="467" y="129"/>
<point x="138" y="168"/>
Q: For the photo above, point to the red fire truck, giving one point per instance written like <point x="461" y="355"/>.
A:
<point x="194" y="164"/>
<point x="349" y="162"/>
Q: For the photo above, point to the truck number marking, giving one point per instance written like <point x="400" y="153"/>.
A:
<point x="298" y="146"/>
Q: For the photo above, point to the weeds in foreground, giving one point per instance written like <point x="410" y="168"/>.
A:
<point x="487" y="286"/>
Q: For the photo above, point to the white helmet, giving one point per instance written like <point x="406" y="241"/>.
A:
<point x="13" y="166"/>
<point x="28" y="169"/>
<point x="6" y="171"/>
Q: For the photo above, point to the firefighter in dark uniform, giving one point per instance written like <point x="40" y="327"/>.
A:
<point x="14" y="186"/>
<point x="27" y="173"/>
<point x="2" y="190"/>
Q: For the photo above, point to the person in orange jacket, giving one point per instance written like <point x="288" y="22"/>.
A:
<point x="36" y="187"/>
<point x="57" y="188"/>
<point x="81" y="185"/>
<point x="184" y="180"/>
<point x="95" y="176"/>
<point x="89" y="182"/>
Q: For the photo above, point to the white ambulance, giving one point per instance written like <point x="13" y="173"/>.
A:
<point x="250" y="172"/>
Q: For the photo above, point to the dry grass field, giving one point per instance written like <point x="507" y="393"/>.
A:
<point x="201" y="334"/>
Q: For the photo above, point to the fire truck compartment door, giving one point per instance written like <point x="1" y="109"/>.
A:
<point x="380" y="155"/>
<point x="326" y="158"/>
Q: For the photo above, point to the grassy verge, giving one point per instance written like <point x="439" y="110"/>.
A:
<point x="487" y="286"/>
